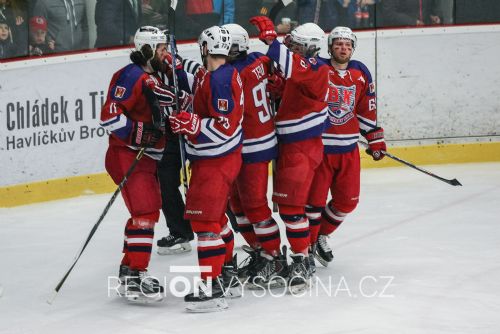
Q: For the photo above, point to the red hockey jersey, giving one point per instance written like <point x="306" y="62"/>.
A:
<point x="351" y="107"/>
<point x="126" y="103"/>
<point x="259" y="137"/>
<point x="218" y="100"/>
<point x="303" y="109"/>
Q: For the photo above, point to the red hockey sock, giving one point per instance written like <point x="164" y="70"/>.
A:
<point x="330" y="220"/>
<point x="268" y="235"/>
<point x="228" y="238"/>
<point x="247" y="231"/>
<point x="211" y="253"/>
<point x="297" y="228"/>
<point x="313" y="213"/>
<point x="139" y="238"/>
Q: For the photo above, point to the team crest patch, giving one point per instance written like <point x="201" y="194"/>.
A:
<point x="341" y="103"/>
<point x="120" y="91"/>
<point x="313" y="61"/>
<point x="372" y="87"/>
<point x="222" y="104"/>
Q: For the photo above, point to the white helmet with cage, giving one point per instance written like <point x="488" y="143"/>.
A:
<point x="217" y="39"/>
<point x="149" y="35"/>
<point x="309" y="36"/>
<point x="343" y="33"/>
<point x="239" y="36"/>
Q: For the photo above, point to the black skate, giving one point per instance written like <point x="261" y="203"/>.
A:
<point x="231" y="283"/>
<point x="141" y="288"/>
<point x="323" y="252"/>
<point x="271" y="272"/>
<point x="208" y="298"/>
<point x="248" y="264"/>
<point x="171" y="245"/>
<point x="299" y="277"/>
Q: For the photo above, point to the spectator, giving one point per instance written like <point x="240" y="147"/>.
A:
<point x="155" y="13"/>
<point x="409" y="13"/>
<point x="198" y="15"/>
<point x="67" y="23"/>
<point x="7" y="47"/>
<point x="225" y="8"/>
<point x="39" y="44"/>
<point x="361" y="13"/>
<point x="14" y="12"/>
<point x="324" y="13"/>
<point x="117" y="21"/>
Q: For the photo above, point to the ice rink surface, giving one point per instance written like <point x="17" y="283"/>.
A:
<point x="417" y="256"/>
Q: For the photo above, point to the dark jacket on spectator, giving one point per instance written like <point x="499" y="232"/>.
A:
<point x="67" y="22"/>
<point x="116" y="21"/>
<point x="406" y="12"/>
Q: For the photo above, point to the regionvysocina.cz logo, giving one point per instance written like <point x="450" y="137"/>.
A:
<point x="180" y="284"/>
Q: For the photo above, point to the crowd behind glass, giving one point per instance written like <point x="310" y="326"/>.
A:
<point x="41" y="27"/>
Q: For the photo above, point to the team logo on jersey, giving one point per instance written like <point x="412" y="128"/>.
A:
<point x="341" y="104"/>
<point x="372" y="87"/>
<point x="120" y="91"/>
<point x="313" y="61"/>
<point x="222" y="104"/>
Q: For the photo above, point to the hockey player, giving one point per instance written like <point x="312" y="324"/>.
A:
<point x="213" y="145"/>
<point x="180" y="231"/>
<point x="299" y="124"/>
<point x="133" y="116"/>
<point x="351" y="110"/>
<point x="260" y="146"/>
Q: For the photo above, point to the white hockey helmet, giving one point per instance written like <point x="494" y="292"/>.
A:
<point x="217" y="39"/>
<point x="239" y="36"/>
<point x="309" y="36"/>
<point x="344" y="33"/>
<point x="149" y="35"/>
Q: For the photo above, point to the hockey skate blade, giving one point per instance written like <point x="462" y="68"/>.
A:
<point x="271" y="285"/>
<point x="182" y="248"/>
<point x="322" y="261"/>
<point x="52" y="297"/>
<point x="143" y="299"/>
<point x="212" y="305"/>
<point x="234" y="292"/>
<point x="297" y="289"/>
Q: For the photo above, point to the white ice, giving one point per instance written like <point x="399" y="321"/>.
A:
<point x="417" y="256"/>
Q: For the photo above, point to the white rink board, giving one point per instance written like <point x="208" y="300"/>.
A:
<point x="432" y="83"/>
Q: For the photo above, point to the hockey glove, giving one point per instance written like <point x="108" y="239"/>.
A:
<point x="267" y="34"/>
<point x="186" y="124"/>
<point x="276" y="85"/>
<point x="145" y="135"/>
<point x="185" y="100"/>
<point x="376" y="143"/>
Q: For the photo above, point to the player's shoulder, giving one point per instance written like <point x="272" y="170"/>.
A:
<point x="317" y="63"/>
<point x="130" y="74"/>
<point x="223" y="75"/>
<point x="356" y="65"/>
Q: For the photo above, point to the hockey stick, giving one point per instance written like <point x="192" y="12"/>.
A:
<point x="273" y="162"/>
<point x="173" y="51"/>
<point x="138" y="157"/>
<point x="453" y="182"/>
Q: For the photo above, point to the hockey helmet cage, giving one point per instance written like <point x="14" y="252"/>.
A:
<point x="218" y="40"/>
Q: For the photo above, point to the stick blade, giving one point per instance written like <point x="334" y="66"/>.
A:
<point x="455" y="182"/>
<point x="51" y="297"/>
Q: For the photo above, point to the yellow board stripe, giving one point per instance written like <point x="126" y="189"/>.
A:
<point x="54" y="189"/>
